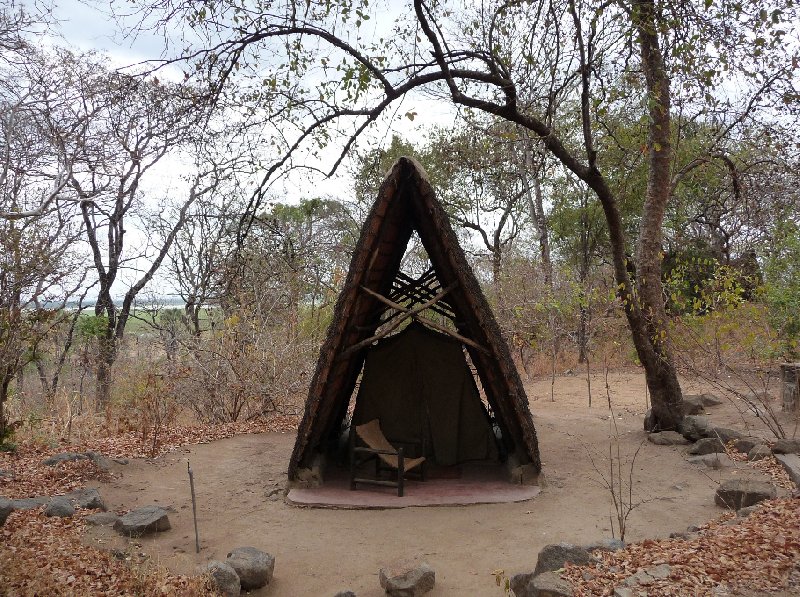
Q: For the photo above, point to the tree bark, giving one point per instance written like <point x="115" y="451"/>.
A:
<point x="106" y="355"/>
<point x="583" y="276"/>
<point x="497" y="263"/>
<point x="5" y="382"/>
<point x="537" y="209"/>
<point x="650" y="333"/>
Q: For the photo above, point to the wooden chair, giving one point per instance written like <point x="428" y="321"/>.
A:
<point x="376" y="447"/>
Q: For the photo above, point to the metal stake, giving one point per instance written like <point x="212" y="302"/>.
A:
<point x="194" y="507"/>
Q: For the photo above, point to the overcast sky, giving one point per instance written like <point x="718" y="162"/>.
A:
<point x="88" y="25"/>
<point x="84" y="25"/>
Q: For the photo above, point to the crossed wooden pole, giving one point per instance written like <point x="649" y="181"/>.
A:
<point x="405" y="313"/>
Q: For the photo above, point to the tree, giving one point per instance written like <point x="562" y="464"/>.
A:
<point x="134" y="123"/>
<point x="39" y="269"/>
<point x="479" y="185"/>
<point x="202" y="245"/>
<point x="540" y="65"/>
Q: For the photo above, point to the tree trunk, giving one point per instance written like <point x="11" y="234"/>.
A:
<point x="533" y="192"/>
<point x="106" y="355"/>
<point x="583" y="275"/>
<point x="497" y="261"/>
<point x="5" y="382"/>
<point x="49" y="392"/>
<point x="583" y="335"/>
<point x="21" y="381"/>
<point x="650" y="333"/>
<point x="537" y="207"/>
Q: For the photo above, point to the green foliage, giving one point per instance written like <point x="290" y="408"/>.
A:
<point x="92" y="326"/>
<point x="697" y="284"/>
<point x="370" y="167"/>
<point x="782" y="288"/>
<point x="5" y="444"/>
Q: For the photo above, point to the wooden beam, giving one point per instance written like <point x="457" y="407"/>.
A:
<point x="395" y="324"/>
<point x="416" y="309"/>
<point x="442" y="307"/>
<point x="449" y="332"/>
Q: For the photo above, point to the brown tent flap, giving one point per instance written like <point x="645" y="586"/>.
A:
<point x="418" y="384"/>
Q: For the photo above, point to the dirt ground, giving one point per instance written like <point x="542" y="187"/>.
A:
<point x="321" y="551"/>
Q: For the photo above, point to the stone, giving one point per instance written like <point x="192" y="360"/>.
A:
<point x="88" y="499"/>
<point x="100" y="461"/>
<point x="30" y="503"/>
<point x="725" y="435"/>
<point x="791" y="462"/>
<point x="605" y="545"/>
<point x="142" y="521"/>
<point x="787" y="446"/>
<point x="59" y="506"/>
<point x="660" y="572"/>
<point x="667" y="438"/>
<point x="64" y="457"/>
<point x="695" y="427"/>
<point x="623" y="592"/>
<point x="740" y="493"/>
<point x="646" y="576"/>
<point x="693" y="404"/>
<point x="707" y="445"/>
<point x="746" y="511"/>
<point x="6" y="475"/>
<point x="224" y="578"/>
<point x="732" y="522"/>
<point x="717" y="460"/>
<point x="522" y="584"/>
<point x="759" y="452"/>
<point x="102" y="519"/>
<point x="347" y="593"/>
<point x="407" y="579"/>
<point x="745" y="444"/>
<point x="254" y="567"/>
<point x="550" y="584"/>
<point x="686" y="535"/>
<point x="555" y="556"/>
<point x="710" y="399"/>
<point x="121" y="460"/>
<point x="6" y="508"/>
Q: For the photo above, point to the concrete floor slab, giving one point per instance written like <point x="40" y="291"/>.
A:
<point x="475" y="485"/>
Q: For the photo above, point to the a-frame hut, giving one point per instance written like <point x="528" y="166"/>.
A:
<point x="375" y="297"/>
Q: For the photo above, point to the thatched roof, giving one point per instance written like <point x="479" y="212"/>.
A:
<point x="405" y="203"/>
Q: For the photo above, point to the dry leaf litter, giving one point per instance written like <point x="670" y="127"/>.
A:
<point x="42" y="555"/>
<point x="759" y="552"/>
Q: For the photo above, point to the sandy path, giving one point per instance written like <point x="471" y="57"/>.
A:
<point x="320" y="552"/>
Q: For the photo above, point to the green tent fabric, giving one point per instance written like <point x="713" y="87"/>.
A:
<point x="418" y="384"/>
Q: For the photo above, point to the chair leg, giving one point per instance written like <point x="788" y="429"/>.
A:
<point x="352" y="443"/>
<point x="400" y="472"/>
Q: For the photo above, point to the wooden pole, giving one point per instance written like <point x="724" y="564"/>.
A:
<point x="406" y="313"/>
<point x="414" y="314"/>
<point x="194" y="508"/>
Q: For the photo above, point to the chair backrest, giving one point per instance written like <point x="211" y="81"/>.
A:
<point x="371" y="434"/>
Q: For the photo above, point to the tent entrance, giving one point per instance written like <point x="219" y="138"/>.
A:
<point x="421" y="389"/>
<point x="418" y="384"/>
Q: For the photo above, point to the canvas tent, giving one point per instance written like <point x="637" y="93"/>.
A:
<point x="377" y="297"/>
<point x="419" y="386"/>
